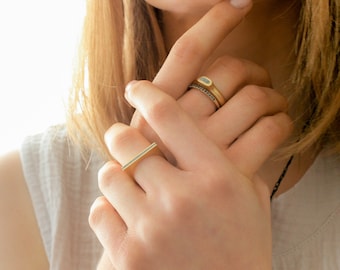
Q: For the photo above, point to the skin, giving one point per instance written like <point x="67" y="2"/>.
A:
<point x="265" y="55"/>
<point x="19" y="229"/>
<point x="171" y="202"/>
<point x="208" y="192"/>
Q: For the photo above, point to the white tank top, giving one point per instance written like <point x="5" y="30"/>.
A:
<point x="305" y="220"/>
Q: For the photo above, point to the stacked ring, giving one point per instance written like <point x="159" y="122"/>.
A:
<point x="207" y="87"/>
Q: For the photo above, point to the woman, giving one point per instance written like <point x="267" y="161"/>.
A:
<point x="206" y="205"/>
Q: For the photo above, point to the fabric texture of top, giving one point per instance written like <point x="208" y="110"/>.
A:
<point x="62" y="185"/>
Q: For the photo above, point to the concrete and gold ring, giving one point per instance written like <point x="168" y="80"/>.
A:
<point x="207" y="87"/>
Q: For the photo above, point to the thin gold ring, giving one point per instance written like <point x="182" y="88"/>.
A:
<point x="151" y="150"/>
<point x="207" y="87"/>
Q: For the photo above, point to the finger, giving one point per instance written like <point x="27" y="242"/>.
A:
<point x="229" y="75"/>
<point x="121" y="191"/>
<point x="143" y="127"/>
<point x="125" y="142"/>
<point x="173" y="125"/>
<point x="242" y="111"/>
<point x="108" y="226"/>
<point x="189" y="54"/>
<point x="157" y="175"/>
<point x="192" y="50"/>
<point x="260" y="142"/>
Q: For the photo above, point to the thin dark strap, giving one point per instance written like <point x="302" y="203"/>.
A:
<point x="283" y="174"/>
<point x="285" y="169"/>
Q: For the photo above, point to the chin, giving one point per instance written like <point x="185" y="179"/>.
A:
<point x="183" y="6"/>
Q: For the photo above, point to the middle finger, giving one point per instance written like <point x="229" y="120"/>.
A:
<point x="192" y="50"/>
<point x="242" y="111"/>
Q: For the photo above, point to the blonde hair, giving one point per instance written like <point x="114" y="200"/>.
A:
<point x="122" y="40"/>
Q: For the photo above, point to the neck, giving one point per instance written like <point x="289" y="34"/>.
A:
<point x="266" y="36"/>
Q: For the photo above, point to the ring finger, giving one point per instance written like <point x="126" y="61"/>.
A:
<point x="229" y="76"/>
<point x="242" y="111"/>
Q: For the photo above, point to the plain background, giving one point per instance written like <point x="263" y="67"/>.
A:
<point x="38" y="42"/>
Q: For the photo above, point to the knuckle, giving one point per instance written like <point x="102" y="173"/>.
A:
<point x="139" y="122"/>
<point x="137" y="85"/>
<point x="98" y="207"/>
<point x="255" y="94"/>
<point x="277" y="126"/>
<point x="243" y="70"/>
<point x="179" y="207"/>
<point x="234" y="66"/>
<point x="271" y="125"/>
<point x="106" y="175"/>
<point x="118" y="136"/>
<point x="257" y="73"/>
<point x="187" y="48"/>
<point x="286" y="123"/>
<point x="162" y="109"/>
<point x="218" y="184"/>
<point x="265" y="99"/>
<point x="152" y="231"/>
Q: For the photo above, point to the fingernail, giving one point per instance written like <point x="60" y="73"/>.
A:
<point x="128" y="88"/>
<point x="129" y="85"/>
<point x="240" y="3"/>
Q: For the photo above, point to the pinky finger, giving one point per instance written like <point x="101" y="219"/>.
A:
<point x="259" y="142"/>
<point x="108" y="226"/>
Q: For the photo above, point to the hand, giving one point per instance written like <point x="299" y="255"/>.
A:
<point x="254" y="102"/>
<point x="206" y="213"/>
<point x="245" y="85"/>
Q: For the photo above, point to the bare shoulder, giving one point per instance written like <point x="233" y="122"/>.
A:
<point x="20" y="241"/>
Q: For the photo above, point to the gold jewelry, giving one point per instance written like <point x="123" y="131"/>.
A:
<point x="151" y="150"/>
<point x="207" y="87"/>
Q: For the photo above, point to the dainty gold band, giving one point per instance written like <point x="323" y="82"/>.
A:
<point x="151" y="150"/>
<point x="206" y="92"/>
<point x="207" y="87"/>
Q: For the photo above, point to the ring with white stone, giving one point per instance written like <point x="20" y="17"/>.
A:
<point x="207" y="87"/>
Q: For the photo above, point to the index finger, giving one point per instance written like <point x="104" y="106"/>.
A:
<point x="192" y="50"/>
<point x="177" y="130"/>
